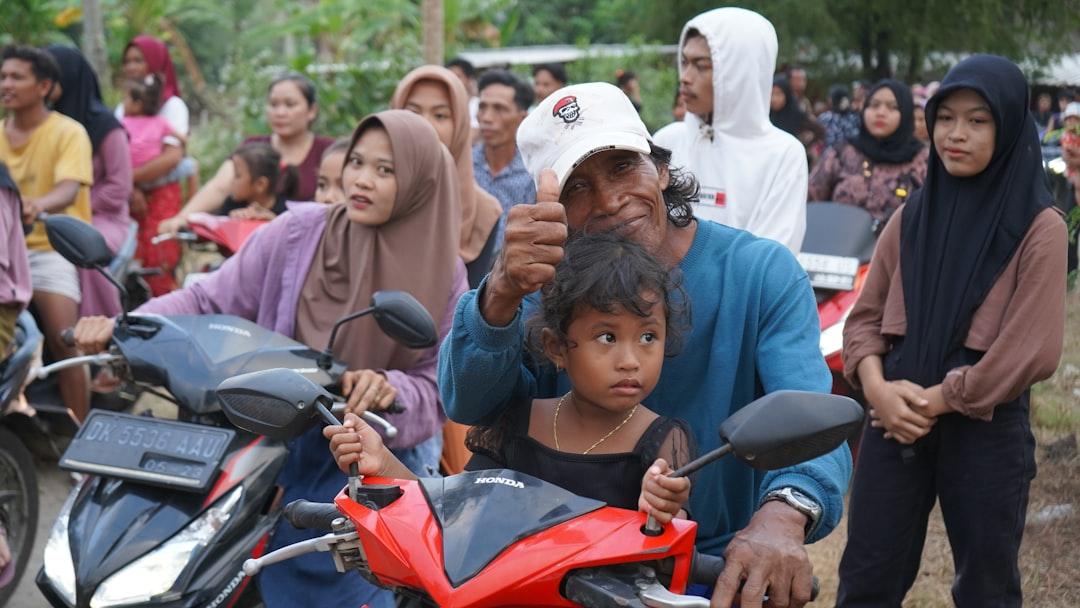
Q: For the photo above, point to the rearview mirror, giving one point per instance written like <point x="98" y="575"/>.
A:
<point x="785" y="428"/>
<point x="78" y="242"/>
<point x="404" y="319"/>
<point x="278" y="403"/>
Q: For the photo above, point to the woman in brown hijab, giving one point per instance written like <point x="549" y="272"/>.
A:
<point x="435" y="93"/>
<point x="398" y="229"/>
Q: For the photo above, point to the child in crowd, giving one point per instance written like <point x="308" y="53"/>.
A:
<point x="328" y="189"/>
<point x="149" y="134"/>
<point x="609" y="318"/>
<point x="260" y="185"/>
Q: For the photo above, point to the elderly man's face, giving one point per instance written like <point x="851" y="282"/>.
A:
<point x="618" y="190"/>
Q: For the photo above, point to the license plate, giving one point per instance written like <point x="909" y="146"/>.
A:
<point x="164" y="453"/>
<point x="830" y="271"/>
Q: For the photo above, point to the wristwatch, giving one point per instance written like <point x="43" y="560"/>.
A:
<point x="800" y="502"/>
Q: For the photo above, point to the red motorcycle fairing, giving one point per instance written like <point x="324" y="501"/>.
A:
<point x="227" y="233"/>
<point x="403" y="544"/>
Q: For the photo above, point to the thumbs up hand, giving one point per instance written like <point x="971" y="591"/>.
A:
<point x="532" y="246"/>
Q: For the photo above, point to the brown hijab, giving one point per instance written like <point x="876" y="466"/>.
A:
<point x="480" y="211"/>
<point x="414" y="251"/>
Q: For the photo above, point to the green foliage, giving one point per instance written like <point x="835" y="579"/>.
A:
<point x="35" y="22"/>
<point x="655" y="73"/>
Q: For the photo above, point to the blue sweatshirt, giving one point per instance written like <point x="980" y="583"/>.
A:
<point x="754" y="331"/>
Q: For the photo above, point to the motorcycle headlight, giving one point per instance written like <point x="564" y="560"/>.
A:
<point x="152" y="576"/>
<point x="59" y="567"/>
<point x="832" y="338"/>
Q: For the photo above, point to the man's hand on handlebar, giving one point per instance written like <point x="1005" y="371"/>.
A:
<point x="768" y="554"/>
<point x="662" y="496"/>
<point x="92" y="334"/>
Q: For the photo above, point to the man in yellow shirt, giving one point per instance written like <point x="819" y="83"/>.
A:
<point x="49" y="157"/>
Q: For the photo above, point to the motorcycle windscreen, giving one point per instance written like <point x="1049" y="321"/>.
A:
<point x="482" y="513"/>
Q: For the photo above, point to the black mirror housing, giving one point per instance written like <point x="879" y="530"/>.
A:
<point x="785" y="428"/>
<point x="278" y="403"/>
<point x="78" y="242"/>
<point x="404" y="319"/>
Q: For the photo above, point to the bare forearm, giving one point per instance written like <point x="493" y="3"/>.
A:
<point x="160" y="166"/>
<point x="393" y="468"/>
<point x="59" y="198"/>
<point x="497" y="308"/>
<point x="210" y="197"/>
<point x="871" y="371"/>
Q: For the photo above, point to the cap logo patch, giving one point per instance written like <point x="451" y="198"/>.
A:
<point x="567" y="109"/>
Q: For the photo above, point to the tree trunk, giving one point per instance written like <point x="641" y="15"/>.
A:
<point x="433" y="31"/>
<point x="866" y="48"/>
<point x="883" y="69"/>
<point x="915" y="60"/>
<point x="94" y="39"/>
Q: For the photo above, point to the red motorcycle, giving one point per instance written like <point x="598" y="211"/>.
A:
<point x="225" y="234"/>
<point x="836" y="253"/>
<point x="502" y="538"/>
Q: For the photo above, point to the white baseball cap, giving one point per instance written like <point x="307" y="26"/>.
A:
<point x="574" y="123"/>
<point x="1073" y="109"/>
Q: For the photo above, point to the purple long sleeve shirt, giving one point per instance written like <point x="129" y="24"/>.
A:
<point x="109" y="213"/>
<point x="262" y="283"/>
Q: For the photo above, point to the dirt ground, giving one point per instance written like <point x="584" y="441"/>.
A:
<point x="1050" y="554"/>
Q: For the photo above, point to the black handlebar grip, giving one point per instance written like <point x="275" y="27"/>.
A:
<point x="395" y="408"/>
<point x="305" y="515"/>
<point x="68" y="337"/>
<point x="705" y="569"/>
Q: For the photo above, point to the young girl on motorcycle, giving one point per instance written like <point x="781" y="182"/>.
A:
<point x="608" y="318"/>
<point x="962" y="312"/>
<point x="260" y="184"/>
<point x="328" y="188"/>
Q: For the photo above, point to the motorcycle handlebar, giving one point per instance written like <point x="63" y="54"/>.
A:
<point x="705" y="570"/>
<point x="305" y="515"/>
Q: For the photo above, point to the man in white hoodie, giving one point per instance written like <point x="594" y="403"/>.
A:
<point x="752" y="174"/>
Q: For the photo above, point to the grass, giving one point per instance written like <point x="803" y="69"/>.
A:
<point x="1050" y="554"/>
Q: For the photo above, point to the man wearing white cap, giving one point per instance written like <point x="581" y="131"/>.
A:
<point x="755" y="329"/>
<point x="753" y="175"/>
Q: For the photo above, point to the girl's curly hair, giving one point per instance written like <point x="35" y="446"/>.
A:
<point x="604" y="271"/>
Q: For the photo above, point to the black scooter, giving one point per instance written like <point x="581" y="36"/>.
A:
<point x="18" y="479"/>
<point x="170" y="509"/>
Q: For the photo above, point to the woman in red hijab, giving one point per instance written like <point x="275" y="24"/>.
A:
<point x="157" y="194"/>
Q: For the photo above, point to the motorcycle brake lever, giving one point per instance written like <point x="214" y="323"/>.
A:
<point x="319" y="544"/>
<point x="388" y="429"/>
<point x="656" y="595"/>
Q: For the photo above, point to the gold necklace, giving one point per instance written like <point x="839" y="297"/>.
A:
<point x="555" y="425"/>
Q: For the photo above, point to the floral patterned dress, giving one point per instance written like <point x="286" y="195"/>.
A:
<point x="846" y="175"/>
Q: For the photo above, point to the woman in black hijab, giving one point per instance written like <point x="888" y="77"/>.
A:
<point x="784" y="110"/>
<point x="962" y="312"/>
<point x="79" y="97"/>
<point x="786" y="114"/>
<point x="880" y="166"/>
